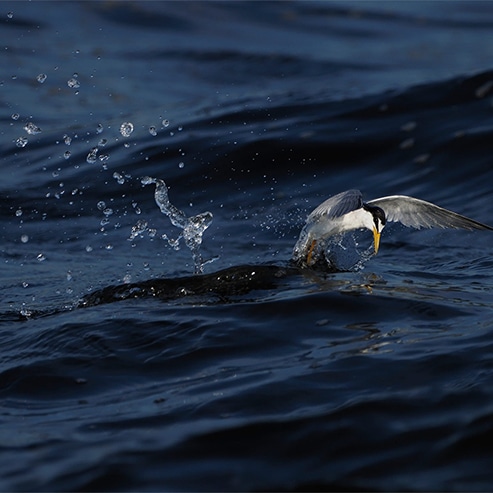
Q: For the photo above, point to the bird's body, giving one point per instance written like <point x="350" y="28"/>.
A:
<point x="347" y="211"/>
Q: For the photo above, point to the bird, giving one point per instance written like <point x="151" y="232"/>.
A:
<point x="346" y="211"/>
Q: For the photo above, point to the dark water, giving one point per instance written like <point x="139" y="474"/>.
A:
<point x="254" y="376"/>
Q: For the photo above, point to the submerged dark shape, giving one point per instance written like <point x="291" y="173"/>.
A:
<point x="232" y="281"/>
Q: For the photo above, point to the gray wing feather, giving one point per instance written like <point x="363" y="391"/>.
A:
<point x="418" y="214"/>
<point x="338" y="205"/>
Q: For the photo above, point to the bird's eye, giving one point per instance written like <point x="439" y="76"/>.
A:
<point x="381" y="216"/>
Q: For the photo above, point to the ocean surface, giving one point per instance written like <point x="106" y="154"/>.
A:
<point x="121" y="369"/>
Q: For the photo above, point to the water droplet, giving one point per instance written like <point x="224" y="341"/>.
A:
<point x="102" y="142"/>
<point x="88" y="248"/>
<point x="92" y="156"/>
<point x="67" y="139"/>
<point x="147" y="180"/>
<point x="69" y="276"/>
<point x="136" y="208"/>
<point x="109" y="247"/>
<point x="66" y="154"/>
<point x="73" y="83"/>
<point x="21" y="142"/>
<point x="126" y="128"/>
<point x="104" y="157"/>
<point x="10" y="15"/>
<point x="406" y="144"/>
<point x="181" y="164"/>
<point x="41" y="257"/>
<point x="409" y="126"/>
<point x="165" y="123"/>
<point x="24" y="238"/>
<point x="18" y="212"/>
<point x="25" y="312"/>
<point x="99" y="128"/>
<point x="484" y="89"/>
<point x="119" y="178"/>
<point x="101" y="205"/>
<point x="174" y="243"/>
<point x="139" y="227"/>
<point x="25" y="284"/>
<point x="107" y="211"/>
<point x="15" y="116"/>
<point x="126" y="145"/>
<point x="422" y="158"/>
<point x="153" y="131"/>
<point x="41" y="78"/>
<point x="31" y="128"/>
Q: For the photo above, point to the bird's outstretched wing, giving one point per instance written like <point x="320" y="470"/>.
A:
<point x="418" y="214"/>
<point x="338" y="205"/>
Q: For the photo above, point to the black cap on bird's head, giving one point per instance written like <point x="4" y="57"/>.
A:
<point x="379" y="221"/>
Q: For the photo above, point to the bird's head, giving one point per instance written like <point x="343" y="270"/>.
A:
<point x="375" y="222"/>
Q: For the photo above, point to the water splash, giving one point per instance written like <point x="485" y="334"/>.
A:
<point x="344" y="252"/>
<point x="349" y="252"/>
<point x="193" y="227"/>
<point x="139" y="228"/>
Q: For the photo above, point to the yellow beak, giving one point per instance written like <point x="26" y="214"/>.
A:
<point x="376" y="239"/>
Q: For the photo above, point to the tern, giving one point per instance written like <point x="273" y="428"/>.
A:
<point x="346" y="211"/>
